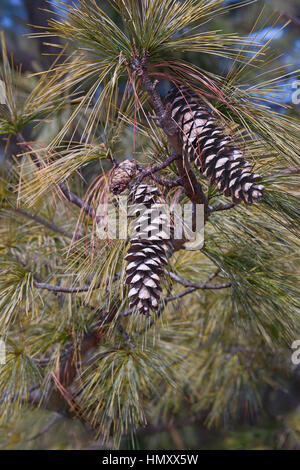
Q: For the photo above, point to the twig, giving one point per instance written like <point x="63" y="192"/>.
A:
<point x="196" y="285"/>
<point x="293" y="19"/>
<point x="74" y="199"/>
<point x="150" y="172"/>
<point x="164" y="118"/>
<point x="160" y="166"/>
<point x="163" y="115"/>
<point x="43" y="221"/>
<point x="55" y="288"/>
<point x="181" y="294"/>
<point x="167" y="183"/>
<point x="99" y="356"/>
<point x="170" y="298"/>
<point x="126" y="337"/>
<point x="190" y="289"/>
<point x="66" y="290"/>
<point x="223" y="207"/>
<point x="57" y="417"/>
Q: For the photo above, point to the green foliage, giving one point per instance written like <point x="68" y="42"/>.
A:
<point x="116" y="388"/>
<point x="16" y="290"/>
<point x="21" y="110"/>
<point x="17" y="375"/>
<point x="212" y="356"/>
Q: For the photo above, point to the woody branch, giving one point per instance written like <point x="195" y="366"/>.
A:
<point x="164" y="119"/>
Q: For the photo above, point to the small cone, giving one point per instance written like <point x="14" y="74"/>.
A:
<point x="211" y="150"/>
<point x="122" y="176"/>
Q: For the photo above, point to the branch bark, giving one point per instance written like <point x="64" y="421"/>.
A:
<point x="61" y="289"/>
<point x="196" y="285"/>
<point x="43" y="221"/>
<point x="224" y="207"/>
<point x="163" y="116"/>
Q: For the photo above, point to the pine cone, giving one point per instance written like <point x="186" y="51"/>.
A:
<point x="211" y="150"/>
<point x="149" y="250"/>
<point x="122" y="176"/>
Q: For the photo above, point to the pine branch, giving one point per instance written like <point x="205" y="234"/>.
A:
<point x="55" y="288"/>
<point x="193" y="287"/>
<point x="126" y="337"/>
<point x="61" y="289"/>
<point x="150" y="172"/>
<point x="180" y="295"/>
<point x="192" y="187"/>
<point x="44" y="222"/>
<point x="223" y="207"/>
<point x="166" y="183"/>
<point x="196" y="285"/>
<point x="147" y="172"/>
<point x="293" y="19"/>
<point x="68" y="290"/>
<point x="74" y="199"/>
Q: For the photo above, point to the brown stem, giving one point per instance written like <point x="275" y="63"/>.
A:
<point x="43" y="221"/>
<point x="74" y="199"/>
<point x="293" y="19"/>
<point x="154" y="169"/>
<point x="126" y="337"/>
<point x="196" y="285"/>
<point x="66" y="290"/>
<point x="181" y="294"/>
<point x="224" y="207"/>
<point x="192" y="187"/>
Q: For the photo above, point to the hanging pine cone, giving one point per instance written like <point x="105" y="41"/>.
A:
<point x="149" y="250"/>
<point x="122" y="176"/>
<point x="211" y="150"/>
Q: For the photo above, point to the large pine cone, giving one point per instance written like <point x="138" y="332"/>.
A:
<point x="211" y="149"/>
<point x="149" y="250"/>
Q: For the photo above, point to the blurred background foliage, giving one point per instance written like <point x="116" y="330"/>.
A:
<point x="224" y="356"/>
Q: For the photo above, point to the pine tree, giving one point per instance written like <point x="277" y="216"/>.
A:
<point x="214" y="346"/>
